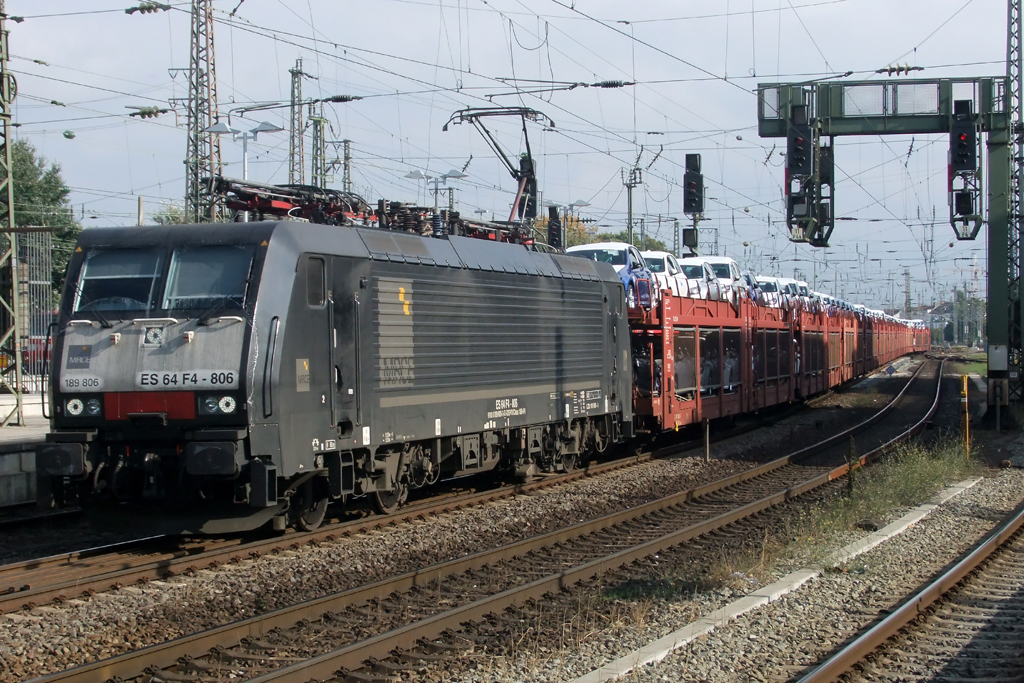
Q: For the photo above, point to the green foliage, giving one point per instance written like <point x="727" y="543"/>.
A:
<point x="171" y="213"/>
<point x="41" y="199"/>
<point x="648" y="243"/>
<point x="576" y="231"/>
<point x="906" y="476"/>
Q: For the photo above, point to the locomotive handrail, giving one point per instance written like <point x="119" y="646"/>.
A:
<point x="46" y="368"/>
<point x="155" y="321"/>
<point x="230" y="318"/>
<point x="268" y="369"/>
<point x="82" y="321"/>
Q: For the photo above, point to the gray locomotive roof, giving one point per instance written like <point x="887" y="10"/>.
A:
<point x="382" y="245"/>
<point x="477" y="254"/>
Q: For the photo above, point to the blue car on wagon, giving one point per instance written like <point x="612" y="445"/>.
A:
<point x="637" y="278"/>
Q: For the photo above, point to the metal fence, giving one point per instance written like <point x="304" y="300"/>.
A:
<point x="38" y="306"/>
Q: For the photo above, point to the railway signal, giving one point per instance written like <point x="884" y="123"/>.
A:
<point x="554" y="229"/>
<point x="965" y="196"/>
<point x="693" y="186"/>
<point x="799" y="144"/>
<point x="963" y="203"/>
<point x="963" y="144"/>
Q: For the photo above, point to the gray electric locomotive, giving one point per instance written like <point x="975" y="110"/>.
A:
<point x="215" y="378"/>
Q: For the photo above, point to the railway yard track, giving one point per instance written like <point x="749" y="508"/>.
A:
<point x="58" y="578"/>
<point x="965" y="625"/>
<point x="431" y="616"/>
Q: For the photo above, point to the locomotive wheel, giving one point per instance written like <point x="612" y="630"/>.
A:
<point x="387" y="502"/>
<point x="570" y="462"/>
<point x="309" y="508"/>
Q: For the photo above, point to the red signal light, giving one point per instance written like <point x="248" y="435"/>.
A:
<point x="963" y="137"/>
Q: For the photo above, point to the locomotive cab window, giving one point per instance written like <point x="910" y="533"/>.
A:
<point x="315" y="280"/>
<point x="119" y="280"/>
<point x="208" y="277"/>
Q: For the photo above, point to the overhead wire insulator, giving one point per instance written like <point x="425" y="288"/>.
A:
<point x="148" y="112"/>
<point x="148" y="8"/>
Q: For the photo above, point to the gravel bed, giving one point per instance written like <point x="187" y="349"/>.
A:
<point x="778" y="641"/>
<point x="804" y="626"/>
<point x="53" y="638"/>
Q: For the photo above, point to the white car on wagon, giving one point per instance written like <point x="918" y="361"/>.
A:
<point x="667" y="272"/>
<point x="698" y="270"/>
<point x="728" y="273"/>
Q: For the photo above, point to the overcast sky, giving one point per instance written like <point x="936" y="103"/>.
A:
<point x="81" y="63"/>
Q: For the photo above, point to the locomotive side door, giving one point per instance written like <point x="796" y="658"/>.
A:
<point x="307" y="394"/>
<point x="344" y="349"/>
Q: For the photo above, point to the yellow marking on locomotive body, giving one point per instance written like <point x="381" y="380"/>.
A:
<point x="406" y="304"/>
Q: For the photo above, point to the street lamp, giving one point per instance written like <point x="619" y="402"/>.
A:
<point x="220" y="128"/>
<point x="443" y="179"/>
<point x="579" y="204"/>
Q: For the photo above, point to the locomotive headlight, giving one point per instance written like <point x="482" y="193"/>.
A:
<point x="217" y="405"/>
<point x="75" y="407"/>
<point x="92" y="407"/>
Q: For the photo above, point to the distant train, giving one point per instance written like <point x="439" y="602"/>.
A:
<point x="216" y="378"/>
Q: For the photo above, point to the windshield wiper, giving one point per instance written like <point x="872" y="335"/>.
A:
<point x="103" y="320"/>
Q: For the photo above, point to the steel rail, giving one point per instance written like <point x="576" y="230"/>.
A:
<point x="16" y="594"/>
<point x="166" y="654"/>
<point x="24" y="585"/>
<point x="326" y="666"/>
<point x="848" y="657"/>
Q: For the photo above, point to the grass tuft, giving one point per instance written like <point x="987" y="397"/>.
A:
<point x="908" y="475"/>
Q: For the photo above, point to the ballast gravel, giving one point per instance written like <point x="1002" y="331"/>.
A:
<point x="780" y="640"/>
<point x="52" y="638"/>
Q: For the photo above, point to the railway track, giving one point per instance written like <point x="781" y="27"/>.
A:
<point x="418" y="619"/>
<point x="963" y="626"/>
<point x="65" y="576"/>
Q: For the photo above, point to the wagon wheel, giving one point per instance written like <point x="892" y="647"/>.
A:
<point x="309" y="506"/>
<point x="387" y="502"/>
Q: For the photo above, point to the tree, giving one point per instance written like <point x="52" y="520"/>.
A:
<point x="576" y="231"/>
<point x="41" y="200"/>
<point x="171" y="213"/>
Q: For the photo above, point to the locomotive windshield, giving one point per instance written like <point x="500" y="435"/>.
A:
<point x="199" y="279"/>
<point x="120" y="280"/>
<point x="209" y="276"/>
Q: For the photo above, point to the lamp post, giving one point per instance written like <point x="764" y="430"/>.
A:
<point x="220" y="128"/>
<point x="442" y="179"/>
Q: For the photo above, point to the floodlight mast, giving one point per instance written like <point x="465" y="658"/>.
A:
<point x="526" y="173"/>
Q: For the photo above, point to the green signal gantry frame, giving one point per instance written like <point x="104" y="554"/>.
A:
<point x="917" y="107"/>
